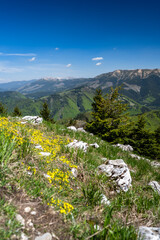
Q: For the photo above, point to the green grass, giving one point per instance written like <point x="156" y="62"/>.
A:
<point x="89" y="219"/>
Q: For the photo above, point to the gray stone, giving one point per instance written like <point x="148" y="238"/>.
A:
<point x="118" y="171"/>
<point x="155" y="186"/>
<point x="23" y="236"/>
<point x="81" y="130"/>
<point x="20" y="219"/>
<point x="95" y="145"/>
<point x="124" y="147"/>
<point x="33" y="119"/>
<point x="73" y="128"/>
<point x="46" y="236"/>
<point x="78" y="144"/>
<point x="135" y="156"/>
<point x="33" y="213"/>
<point x="104" y="200"/>
<point x="74" y="172"/>
<point x="38" y="147"/>
<point x="155" y="164"/>
<point x="46" y="154"/>
<point x="27" y="209"/>
<point x="149" y="233"/>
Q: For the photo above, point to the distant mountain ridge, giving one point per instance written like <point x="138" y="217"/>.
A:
<point x="68" y="97"/>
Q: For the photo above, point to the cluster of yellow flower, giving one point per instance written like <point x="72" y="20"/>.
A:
<point x="12" y="130"/>
<point x="59" y="178"/>
<point x="64" y="206"/>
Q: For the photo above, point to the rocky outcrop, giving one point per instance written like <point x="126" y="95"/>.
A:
<point x="82" y="145"/>
<point x="32" y="119"/>
<point x="127" y="148"/>
<point x="118" y="171"/>
<point x="155" y="186"/>
<point x="149" y="233"/>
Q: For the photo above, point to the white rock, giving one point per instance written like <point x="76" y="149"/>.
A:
<point x="23" y="236"/>
<point x="46" y="236"/>
<point x="39" y="147"/>
<point x="135" y="156"/>
<point x="104" y="159"/>
<point x="33" y="213"/>
<point x="23" y="122"/>
<point x="95" y="145"/>
<point x="20" y="219"/>
<point x="33" y="119"/>
<point x="124" y="147"/>
<point x="72" y="128"/>
<point x="29" y="222"/>
<point x="155" y="164"/>
<point x="46" y="175"/>
<point x="45" y="154"/>
<point x="104" y="200"/>
<point x="81" y="130"/>
<point x="97" y="227"/>
<point x="117" y="170"/>
<point x="78" y="144"/>
<point x="27" y="209"/>
<point x="149" y="233"/>
<point x="155" y="186"/>
<point x="74" y="172"/>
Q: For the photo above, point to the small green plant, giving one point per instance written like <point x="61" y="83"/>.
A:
<point x="91" y="193"/>
<point x="8" y="222"/>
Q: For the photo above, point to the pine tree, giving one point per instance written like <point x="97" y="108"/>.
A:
<point x="109" y="120"/>
<point x="17" y="112"/>
<point x="3" y="111"/>
<point x="45" y="113"/>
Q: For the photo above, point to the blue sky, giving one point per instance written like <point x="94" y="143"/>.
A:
<point x="58" y="38"/>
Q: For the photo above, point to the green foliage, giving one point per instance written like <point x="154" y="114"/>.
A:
<point x="109" y="120"/>
<point x="3" y="111"/>
<point x="45" y="112"/>
<point x="17" y="112"/>
<point x="9" y="225"/>
<point x="91" y="193"/>
<point x="143" y="141"/>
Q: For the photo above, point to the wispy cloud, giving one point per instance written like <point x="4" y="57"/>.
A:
<point x="69" y="65"/>
<point x="56" y="48"/>
<point x="99" y="63"/>
<point x="32" y="59"/>
<point x="19" y="54"/>
<point x="10" y="70"/>
<point x="97" y="58"/>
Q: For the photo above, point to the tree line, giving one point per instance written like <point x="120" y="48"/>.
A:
<point x="111" y="122"/>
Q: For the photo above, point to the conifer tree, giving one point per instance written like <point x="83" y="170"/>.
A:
<point x="109" y="120"/>
<point x="45" y="113"/>
<point x="17" y="112"/>
<point x="3" y="111"/>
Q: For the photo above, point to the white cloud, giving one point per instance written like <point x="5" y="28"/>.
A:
<point x="56" y="48"/>
<point x="32" y="59"/>
<point x="99" y="63"/>
<point x="19" y="54"/>
<point x="97" y="58"/>
<point x="10" y="70"/>
<point x="69" y="65"/>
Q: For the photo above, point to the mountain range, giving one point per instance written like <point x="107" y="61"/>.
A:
<point x="69" y="97"/>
